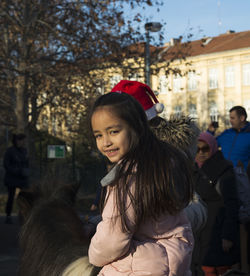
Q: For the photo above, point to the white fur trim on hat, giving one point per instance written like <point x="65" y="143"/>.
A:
<point x="154" y="110"/>
<point x="159" y="107"/>
<point x="151" y="113"/>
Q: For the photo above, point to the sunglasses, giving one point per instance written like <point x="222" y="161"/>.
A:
<point x="203" y="149"/>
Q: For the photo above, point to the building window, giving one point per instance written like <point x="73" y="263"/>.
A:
<point x="45" y="121"/>
<point x="246" y="104"/>
<point x="135" y="77"/>
<point x="213" y="78"/>
<point x="192" y="81"/>
<point x="178" y="110"/>
<point x="246" y="74"/>
<point x="163" y="85"/>
<point x="100" y="86"/>
<point x="213" y="112"/>
<point x="177" y="83"/>
<point x="69" y="122"/>
<point x="114" y="80"/>
<point x="192" y="111"/>
<point x="100" y="90"/>
<point x="228" y="106"/>
<point x="229" y="76"/>
<point x="54" y="125"/>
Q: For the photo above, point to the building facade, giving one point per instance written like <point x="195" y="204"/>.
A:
<point x="202" y="79"/>
<point x="216" y="78"/>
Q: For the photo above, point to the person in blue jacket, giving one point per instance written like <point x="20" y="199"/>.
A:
<point x="235" y="142"/>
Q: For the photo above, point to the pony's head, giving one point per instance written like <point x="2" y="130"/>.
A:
<point x="45" y="191"/>
<point x="52" y="237"/>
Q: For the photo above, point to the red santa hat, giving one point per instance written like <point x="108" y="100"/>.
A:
<point x="143" y="94"/>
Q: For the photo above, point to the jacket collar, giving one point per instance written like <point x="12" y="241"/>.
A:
<point x="245" y="128"/>
<point x="108" y="178"/>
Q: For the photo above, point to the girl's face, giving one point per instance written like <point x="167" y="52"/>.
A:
<point x="112" y="134"/>
<point x="203" y="151"/>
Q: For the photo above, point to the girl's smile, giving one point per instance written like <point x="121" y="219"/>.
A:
<point x="111" y="134"/>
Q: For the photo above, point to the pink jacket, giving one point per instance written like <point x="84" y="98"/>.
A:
<point x="156" y="248"/>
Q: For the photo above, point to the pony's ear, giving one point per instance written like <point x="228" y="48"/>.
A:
<point x="67" y="193"/>
<point x="25" y="201"/>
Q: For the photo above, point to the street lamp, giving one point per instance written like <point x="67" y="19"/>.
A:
<point x="214" y="116"/>
<point x="149" y="27"/>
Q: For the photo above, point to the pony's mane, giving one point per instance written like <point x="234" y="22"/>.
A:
<point x="53" y="238"/>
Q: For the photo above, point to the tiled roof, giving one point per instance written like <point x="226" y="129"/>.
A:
<point x="138" y="49"/>
<point x="224" y="42"/>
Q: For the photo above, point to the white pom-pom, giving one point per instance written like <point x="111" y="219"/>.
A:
<point x="159" y="107"/>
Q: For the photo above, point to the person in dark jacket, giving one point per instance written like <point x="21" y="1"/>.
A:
<point x="16" y="165"/>
<point x="217" y="246"/>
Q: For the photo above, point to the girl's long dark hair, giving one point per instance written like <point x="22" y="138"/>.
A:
<point x="163" y="176"/>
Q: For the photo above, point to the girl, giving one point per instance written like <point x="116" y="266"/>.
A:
<point x="180" y="132"/>
<point x="144" y="230"/>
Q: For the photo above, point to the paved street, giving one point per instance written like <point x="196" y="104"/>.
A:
<point x="8" y="247"/>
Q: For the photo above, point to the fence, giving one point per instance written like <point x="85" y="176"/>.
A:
<point x="68" y="166"/>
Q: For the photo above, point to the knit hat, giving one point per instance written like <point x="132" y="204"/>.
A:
<point x="143" y="94"/>
<point x="210" y="140"/>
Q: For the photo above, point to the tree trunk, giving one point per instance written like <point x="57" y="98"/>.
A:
<point x="21" y="109"/>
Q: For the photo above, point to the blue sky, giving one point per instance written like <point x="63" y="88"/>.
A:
<point x="200" y="17"/>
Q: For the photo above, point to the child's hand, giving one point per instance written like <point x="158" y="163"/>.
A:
<point x="211" y="128"/>
<point x="93" y="207"/>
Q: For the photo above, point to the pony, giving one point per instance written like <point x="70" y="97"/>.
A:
<point x="53" y="239"/>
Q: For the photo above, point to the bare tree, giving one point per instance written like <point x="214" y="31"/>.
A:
<point x="44" y="45"/>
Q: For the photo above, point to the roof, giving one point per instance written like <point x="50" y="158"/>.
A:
<point x="138" y="49"/>
<point x="224" y="42"/>
<point x="177" y="50"/>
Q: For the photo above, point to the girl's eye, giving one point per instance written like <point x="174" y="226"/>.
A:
<point x="97" y="136"/>
<point x="114" y="131"/>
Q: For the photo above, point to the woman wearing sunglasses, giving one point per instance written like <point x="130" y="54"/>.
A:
<point x="217" y="244"/>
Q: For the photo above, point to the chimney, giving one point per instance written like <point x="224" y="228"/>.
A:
<point x="174" y="41"/>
